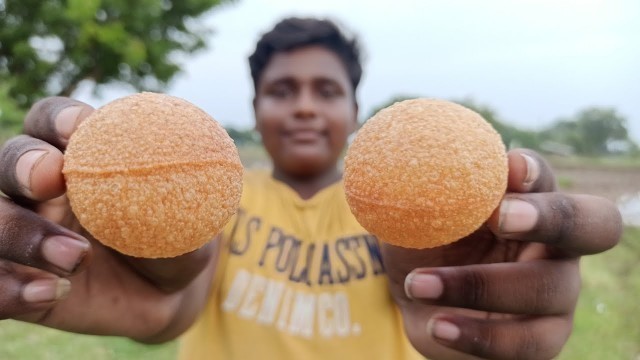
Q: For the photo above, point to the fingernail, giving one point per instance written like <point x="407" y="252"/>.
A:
<point x="46" y="290"/>
<point x="67" y="120"/>
<point x="423" y="286"/>
<point x="25" y="165"/>
<point x="443" y="330"/>
<point x="64" y="252"/>
<point x="533" y="169"/>
<point x="517" y="216"/>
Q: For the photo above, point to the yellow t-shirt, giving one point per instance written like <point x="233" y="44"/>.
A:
<point x="297" y="279"/>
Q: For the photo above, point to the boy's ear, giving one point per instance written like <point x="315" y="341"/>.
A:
<point x="354" y="123"/>
<point x="255" y="117"/>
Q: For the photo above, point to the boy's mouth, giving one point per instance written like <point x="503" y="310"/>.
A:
<point x="305" y="135"/>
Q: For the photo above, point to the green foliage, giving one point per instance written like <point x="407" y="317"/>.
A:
<point x="252" y="153"/>
<point x="243" y="137"/>
<point x="11" y="114"/>
<point x="49" y="47"/>
<point x="391" y="101"/>
<point x="593" y="132"/>
<point x="606" y="325"/>
<point x="565" y="183"/>
<point x="511" y="136"/>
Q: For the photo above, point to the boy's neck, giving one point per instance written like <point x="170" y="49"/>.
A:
<point x="306" y="187"/>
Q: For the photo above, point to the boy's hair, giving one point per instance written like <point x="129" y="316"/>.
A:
<point x="293" y="33"/>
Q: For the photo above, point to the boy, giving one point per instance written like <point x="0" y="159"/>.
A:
<point x="293" y="275"/>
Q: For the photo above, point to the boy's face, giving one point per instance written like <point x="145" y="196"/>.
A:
<point x="305" y="110"/>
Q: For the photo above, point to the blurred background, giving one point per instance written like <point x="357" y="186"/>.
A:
<point x="559" y="76"/>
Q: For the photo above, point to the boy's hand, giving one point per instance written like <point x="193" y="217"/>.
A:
<point x="53" y="272"/>
<point x="509" y="290"/>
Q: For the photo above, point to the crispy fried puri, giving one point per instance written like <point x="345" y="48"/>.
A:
<point x="424" y="173"/>
<point x="152" y="175"/>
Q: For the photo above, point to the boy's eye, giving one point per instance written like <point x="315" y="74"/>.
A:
<point x="329" y="91"/>
<point x="280" y="91"/>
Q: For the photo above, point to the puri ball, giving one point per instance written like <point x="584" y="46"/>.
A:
<point x="424" y="173"/>
<point x="152" y="175"/>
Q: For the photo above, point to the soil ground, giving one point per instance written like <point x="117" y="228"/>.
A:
<point x="609" y="182"/>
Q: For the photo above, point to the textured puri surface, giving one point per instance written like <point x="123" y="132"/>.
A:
<point x="424" y="173"/>
<point x="151" y="175"/>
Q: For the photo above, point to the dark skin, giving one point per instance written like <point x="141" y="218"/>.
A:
<point x="305" y="113"/>
<point x="104" y="292"/>
<point x="507" y="291"/>
<point x="511" y="287"/>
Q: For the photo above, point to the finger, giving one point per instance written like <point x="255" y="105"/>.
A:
<point x="529" y="172"/>
<point x="31" y="169"/>
<point x="28" y="239"/>
<point x="529" y="338"/>
<point x="23" y="291"/>
<point x="544" y="287"/>
<point x="54" y="119"/>
<point x="577" y="224"/>
<point x="173" y="274"/>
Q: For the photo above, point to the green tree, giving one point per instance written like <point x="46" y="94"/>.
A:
<point x="391" y="101"/>
<point x="600" y="126"/>
<point x="592" y="131"/>
<point x="8" y="110"/>
<point x="49" y="47"/>
<point x="243" y="136"/>
<point x="511" y="136"/>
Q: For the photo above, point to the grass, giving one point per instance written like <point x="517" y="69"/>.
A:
<point x="565" y="182"/>
<point x="606" y="323"/>
<point x="20" y="341"/>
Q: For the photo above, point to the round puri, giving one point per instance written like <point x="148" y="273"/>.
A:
<point x="424" y="173"/>
<point x="151" y="175"/>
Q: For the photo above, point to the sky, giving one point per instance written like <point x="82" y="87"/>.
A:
<point x="532" y="61"/>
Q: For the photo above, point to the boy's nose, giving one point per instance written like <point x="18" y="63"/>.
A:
<point x="306" y="106"/>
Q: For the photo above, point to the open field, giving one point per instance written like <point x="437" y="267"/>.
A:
<point x="610" y="179"/>
<point x="606" y="320"/>
<point x="20" y="341"/>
